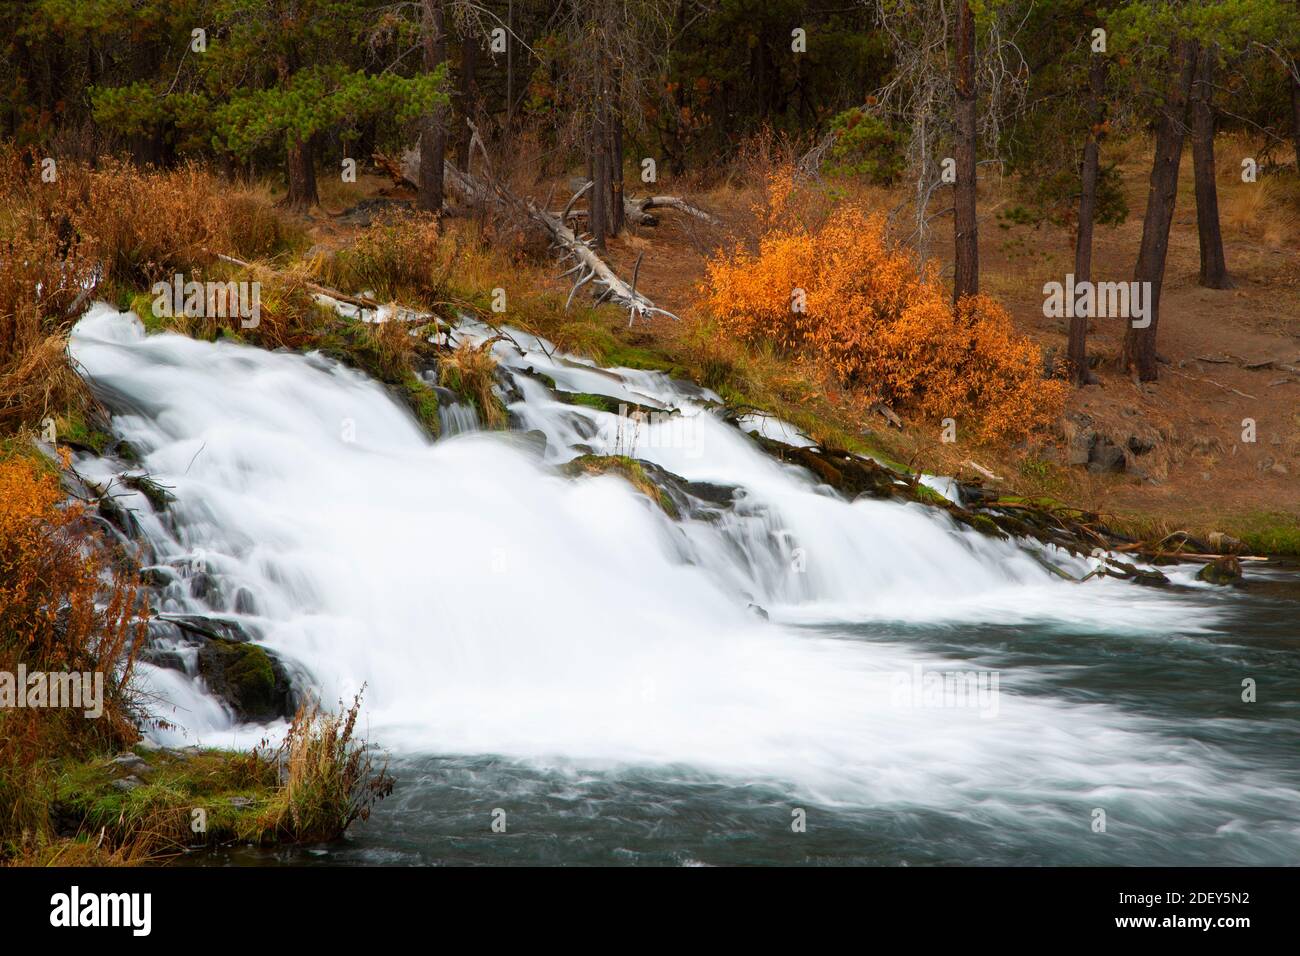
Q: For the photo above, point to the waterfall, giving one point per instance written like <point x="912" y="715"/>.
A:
<point x="456" y="418"/>
<point x="492" y="604"/>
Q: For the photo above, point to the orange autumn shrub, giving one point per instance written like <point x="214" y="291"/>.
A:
<point x="61" y="610"/>
<point x="836" y="292"/>
<point x="61" y="607"/>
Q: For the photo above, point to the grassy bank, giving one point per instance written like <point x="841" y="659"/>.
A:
<point x="147" y="805"/>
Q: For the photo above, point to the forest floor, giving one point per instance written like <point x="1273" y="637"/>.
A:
<point x="1231" y="355"/>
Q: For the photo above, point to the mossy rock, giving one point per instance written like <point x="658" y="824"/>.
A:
<point x="245" y="676"/>
<point x="607" y="403"/>
<point x="928" y="496"/>
<point x="849" y="474"/>
<point x="79" y="432"/>
<point x="1224" y="571"/>
<point x="421" y="398"/>
<point x="628" y="468"/>
<point x="985" y="525"/>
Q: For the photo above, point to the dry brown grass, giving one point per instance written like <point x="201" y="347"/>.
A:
<point x="470" y="371"/>
<point x="105" y="228"/>
<point x="332" y="780"/>
<point x="405" y="258"/>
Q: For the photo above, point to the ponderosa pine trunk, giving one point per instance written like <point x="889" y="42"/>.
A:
<point x="1171" y="124"/>
<point x="616" y="173"/>
<point x="600" y="164"/>
<point x="433" y="138"/>
<point x="965" y="229"/>
<point x="468" y="96"/>
<point x="1214" y="270"/>
<point x="1077" y="351"/>
<point x="510" y="67"/>
<point x="300" y="169"/>
<point x="1295" y="119"/>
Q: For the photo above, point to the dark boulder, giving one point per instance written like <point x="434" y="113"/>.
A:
<point x="250" y="680"/>
<point x="1224" y="571"/>
<point x="1105" y="457"/>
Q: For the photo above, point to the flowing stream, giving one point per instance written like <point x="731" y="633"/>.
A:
<point x="628" y="687"/>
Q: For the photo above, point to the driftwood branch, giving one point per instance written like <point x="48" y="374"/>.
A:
<point x="596" y="269"/>
<point x="678" y="203"/>
<point x="606" y="284"/>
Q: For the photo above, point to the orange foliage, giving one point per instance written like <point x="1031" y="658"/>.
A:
<point x="56" y="614"/>
<point x="880" y="327"/>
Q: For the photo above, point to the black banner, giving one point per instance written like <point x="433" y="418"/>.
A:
<point x="227" y="905"/>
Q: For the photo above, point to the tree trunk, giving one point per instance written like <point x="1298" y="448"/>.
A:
<point x="1295" y="119"/>
<point x="616" y="174"/>
<point x="1077" y="352"/>
<point x="599" y="223"/>
<point x="1140" y="343"/>
<point x="510" y="66"/>
<point x="965" y="230"/>
<point x="468" y="96"/>
<point x="1214" y="271"/>
<point x="300" y="166"/>
<point x="433" y="138"/>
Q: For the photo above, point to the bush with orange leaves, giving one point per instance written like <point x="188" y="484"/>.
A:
<point x="59" y="612"/>
<point x="837" y="293"/>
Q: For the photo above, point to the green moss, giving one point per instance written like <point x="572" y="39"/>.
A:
<point x="927" y="495"/>
<point x="603" y="403"/>
<point x="252" y="672"/>
<point x="1260" y="532"/>
<point x="72" y="427"/>
<point x="423" y="401"/>
<point x="638" y="357"/>
<point x="607" y="403"/>
<point x="142" y="305"/>
<point x="232" y="789"/>
<point x="628" y="468"/>
<point x="986" y="525"/>
<point x="861" y="446"/>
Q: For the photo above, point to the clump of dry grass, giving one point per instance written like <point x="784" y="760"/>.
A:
<point x="331" y="778"/>
<point x="404" y="258"/>
<point x="470" y="371"/>
<point x="113" y="226"/>
<point x="1268" y="209"/>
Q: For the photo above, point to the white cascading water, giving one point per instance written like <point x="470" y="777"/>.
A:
<point x="492" y="605"/>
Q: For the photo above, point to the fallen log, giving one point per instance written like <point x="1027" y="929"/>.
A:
<point x="589" y="268"/>
<point x="631" y="213"/>
<point x="674" y="202"/>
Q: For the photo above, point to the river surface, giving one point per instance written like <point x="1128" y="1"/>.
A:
<point x="562" y="673"/>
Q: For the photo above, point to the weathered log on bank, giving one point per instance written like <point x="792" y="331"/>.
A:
<point x="588" y="267"/>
